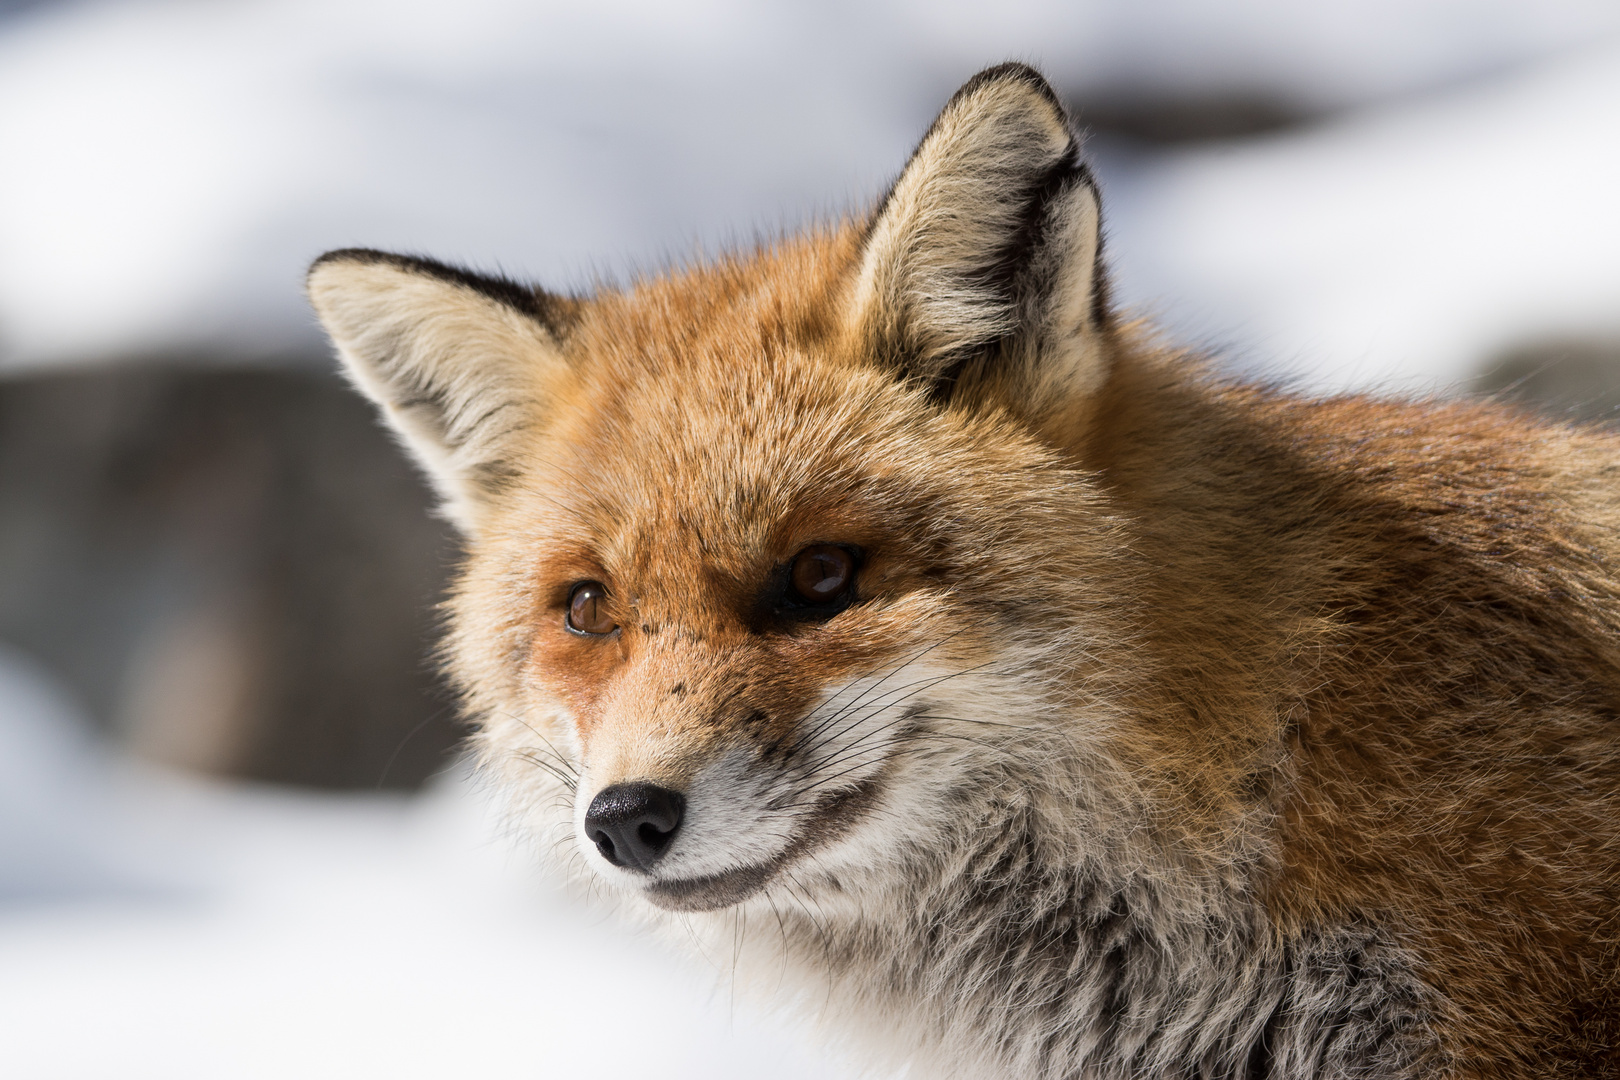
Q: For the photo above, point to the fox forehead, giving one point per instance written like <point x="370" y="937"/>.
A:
<point x="722" y="457"/>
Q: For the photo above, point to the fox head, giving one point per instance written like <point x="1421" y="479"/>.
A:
<point x="779" y="568"/>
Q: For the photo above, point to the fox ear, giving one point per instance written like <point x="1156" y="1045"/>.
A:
<point x="457" y="362"/>
<point x="981" y="268"/>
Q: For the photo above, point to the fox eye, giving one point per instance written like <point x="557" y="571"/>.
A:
<point x="588" y="610"/>
<point x="821" y="573"/>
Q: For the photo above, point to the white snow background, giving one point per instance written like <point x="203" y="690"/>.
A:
<point x="170" y="168"/>
<point x="167" y="169"/>
<point x="154" y="925"/>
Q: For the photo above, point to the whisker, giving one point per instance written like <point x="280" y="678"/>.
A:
<point x="562" y="758"/>
<point x="901" y="666"/>
<point x="529" y="755"/>
<point x="915" y="688"/>
<point x="895" y="751"/>
<point x="433" y="717"/>
<point x="807" y="898"/>
<point x="923" y="685"/>
<point x="970" y="720"/>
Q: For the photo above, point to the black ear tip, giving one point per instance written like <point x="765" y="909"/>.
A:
<point x="1012" y="71"/>
<point x="371" y="256"/>
<point x="526" y="299"/>
<point x="348" y="255"/>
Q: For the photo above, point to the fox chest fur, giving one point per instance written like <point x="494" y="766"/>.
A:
<point x="1005" y="686"/>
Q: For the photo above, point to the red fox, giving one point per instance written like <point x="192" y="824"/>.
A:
<point x="883" y="609"/>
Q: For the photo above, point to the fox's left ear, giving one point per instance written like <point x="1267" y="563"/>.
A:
<point x="981" y="271"/>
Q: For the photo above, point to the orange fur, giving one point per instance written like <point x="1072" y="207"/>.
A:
<point x="1270" y="671"/>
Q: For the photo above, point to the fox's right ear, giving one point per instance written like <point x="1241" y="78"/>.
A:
<point x="457" y="362"/>
<point x="981" y="273"/>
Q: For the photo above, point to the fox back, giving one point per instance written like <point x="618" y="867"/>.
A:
<point x="1010" y="689"/>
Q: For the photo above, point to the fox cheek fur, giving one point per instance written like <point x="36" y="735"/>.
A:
<point x="1055" y="707"/>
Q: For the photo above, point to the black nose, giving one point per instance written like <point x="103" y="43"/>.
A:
<point x="632" y="824"/>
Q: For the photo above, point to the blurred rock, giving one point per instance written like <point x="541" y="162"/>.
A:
<point x="234" y="570"/>
<point x="1567" y="378"/>
<point x="1161" y="118"/>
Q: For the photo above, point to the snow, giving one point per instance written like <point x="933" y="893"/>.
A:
<point x="171" y="167"/>
<point x="50" y="799"/>
<point x="189" y="928"/>
<point x="1401" y="247"/>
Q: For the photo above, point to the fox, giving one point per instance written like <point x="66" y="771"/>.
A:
<point x="1008" y="688"/>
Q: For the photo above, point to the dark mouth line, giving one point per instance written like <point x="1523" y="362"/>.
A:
<point x="832" y="818"/>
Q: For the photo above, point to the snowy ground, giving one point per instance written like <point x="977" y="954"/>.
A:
<point x="153" y="925"/>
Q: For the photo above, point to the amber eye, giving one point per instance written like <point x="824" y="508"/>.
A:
<point x="821" y="573"/>
<point x="588" y="609"/>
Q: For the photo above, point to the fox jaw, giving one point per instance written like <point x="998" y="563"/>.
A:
<point x="776" y="564"/>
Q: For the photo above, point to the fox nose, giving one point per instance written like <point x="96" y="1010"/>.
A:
<point x="632" y="825"/>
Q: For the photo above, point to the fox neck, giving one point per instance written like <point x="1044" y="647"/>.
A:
<point x="1126" y="974"/>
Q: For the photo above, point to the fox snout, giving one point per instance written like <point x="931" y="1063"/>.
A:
<point x="633" y="825"/>
<point x="703" y="805"/>
<point x="691" y="823"/>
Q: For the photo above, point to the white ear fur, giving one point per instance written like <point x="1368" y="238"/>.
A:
<point x="456" y="362"/>
<point x="989" y="242"/>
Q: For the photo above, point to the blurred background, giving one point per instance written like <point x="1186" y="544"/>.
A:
<point x="234" y="840"/>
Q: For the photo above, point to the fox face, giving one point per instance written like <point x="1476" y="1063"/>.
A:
<point x="766" y="600"/>
<point x="755" y="542"/>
